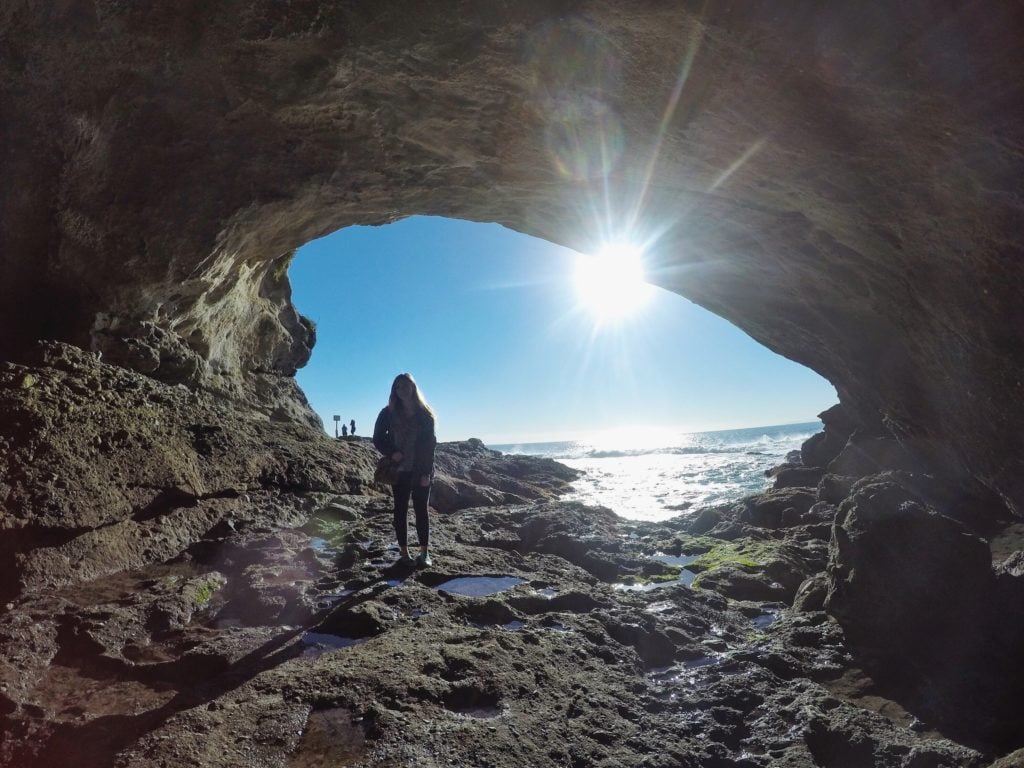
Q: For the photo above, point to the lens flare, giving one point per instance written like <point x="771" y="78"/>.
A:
<point x="611" y="284"/>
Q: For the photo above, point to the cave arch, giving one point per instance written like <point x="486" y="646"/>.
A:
<point x="841" y="182"/>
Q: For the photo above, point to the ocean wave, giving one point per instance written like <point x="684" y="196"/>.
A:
<point x="752" y="442"/>
<point x="597" y="453"/>
<point x="776" y="446"/>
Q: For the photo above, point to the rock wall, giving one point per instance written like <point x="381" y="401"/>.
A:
<point x="841" y="180"/>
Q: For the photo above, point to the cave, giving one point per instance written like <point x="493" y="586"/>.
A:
<point x="842" y="181"/>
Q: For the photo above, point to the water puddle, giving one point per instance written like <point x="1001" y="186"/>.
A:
<point x="659" y="607"/>
<point x="680" y="560"/>
<point x="704" y="661"/>
<point x="331" y="739"/>
<point x="329" y="599"/>
<point x="318" y="643"/>
<point x="660" y="674"/>
<point x="479" y="586"/>
<point x="547" y="593"/>
<point x="765" y="620"/>
<point x="625" y="586"/>
<point x="686" y="576"/>
<point x="685" y="674"/>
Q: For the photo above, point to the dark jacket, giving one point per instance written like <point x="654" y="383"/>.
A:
<point x="384" y="442"/>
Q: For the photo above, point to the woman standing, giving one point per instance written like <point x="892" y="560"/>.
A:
<point x="405" y="431"/>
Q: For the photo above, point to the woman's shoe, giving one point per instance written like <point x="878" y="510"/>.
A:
<point x="405" y="560"/>
<point x="423" y="560"/>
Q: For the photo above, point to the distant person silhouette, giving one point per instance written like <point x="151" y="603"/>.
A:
<point x="352" y="428"/>
<point x="404" y="430"/>
<point x="344" y="431"/>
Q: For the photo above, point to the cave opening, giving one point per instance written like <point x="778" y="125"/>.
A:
<point x="492" y="322"/>
<point x="499" y="331"/>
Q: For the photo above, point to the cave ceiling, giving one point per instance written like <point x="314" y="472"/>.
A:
<point x="841" y="180"/>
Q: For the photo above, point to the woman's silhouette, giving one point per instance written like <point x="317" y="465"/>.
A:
<point x="405" y="431"/>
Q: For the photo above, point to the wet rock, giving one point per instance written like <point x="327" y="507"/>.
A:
<point x="507" y="479"/>
<point x="798" y="477"/>
<point x="703" y="520"/>
<point x="1014" y="760"/>
<point x="913" y="589"/>
<point x="449" y="494"/>
<point x="653" y="646"/>
<point x="899" y="569"/>
<point x="834" y="488"/>
<point x="560" y="665"/>
<point x="821" y="449"/>
<point x="863" y="456"/>
<point x="811" y="594"/>
<point x="471" y="475"/>
<point x="769" y="510"/>
<point x="740" y="583"/>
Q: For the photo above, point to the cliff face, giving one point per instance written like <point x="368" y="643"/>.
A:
<point x="843" y="182"/>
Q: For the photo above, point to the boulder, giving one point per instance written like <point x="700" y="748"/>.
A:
<point x="767" y="510"/>
<point x="900" y="573"/>
<point x="916" y="594"/>
<point x="1013" y="760"/>
<point x="811" y="594"/>
<point x="742" y="583"/>
<point x="834" y="488"/>
<point x="819" y="450"/>
<point x="863" y="456"/>
<point x="469" y="474"/>
<point x="448" y="494"/>
<point x="703" y="520"/>
<point x="798" y="477"/>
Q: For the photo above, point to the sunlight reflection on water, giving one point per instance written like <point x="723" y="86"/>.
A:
<point x="674" y="474"/>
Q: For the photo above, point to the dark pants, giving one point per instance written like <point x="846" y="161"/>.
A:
<point x="409" y="485"/>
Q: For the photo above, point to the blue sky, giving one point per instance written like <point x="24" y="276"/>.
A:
<point x="490" y="323"/>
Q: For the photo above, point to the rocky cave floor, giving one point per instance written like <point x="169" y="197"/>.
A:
<point x="308" y="646"/>
<point x="179" y="592"/>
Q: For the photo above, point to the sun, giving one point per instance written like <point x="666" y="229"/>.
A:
<point x="611" y="285"/>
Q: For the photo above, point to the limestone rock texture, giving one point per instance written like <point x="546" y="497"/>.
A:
<point x="843" y="181"/>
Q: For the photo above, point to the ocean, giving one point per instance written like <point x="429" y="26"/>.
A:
<point x="673" y="474"/>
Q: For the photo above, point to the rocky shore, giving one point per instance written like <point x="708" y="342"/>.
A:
<point x="185" y="586"/>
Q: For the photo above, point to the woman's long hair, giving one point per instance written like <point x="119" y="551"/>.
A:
<point x="394" y="403"/>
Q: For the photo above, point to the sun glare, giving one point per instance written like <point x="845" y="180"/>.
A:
<point x="611" y="284"/>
